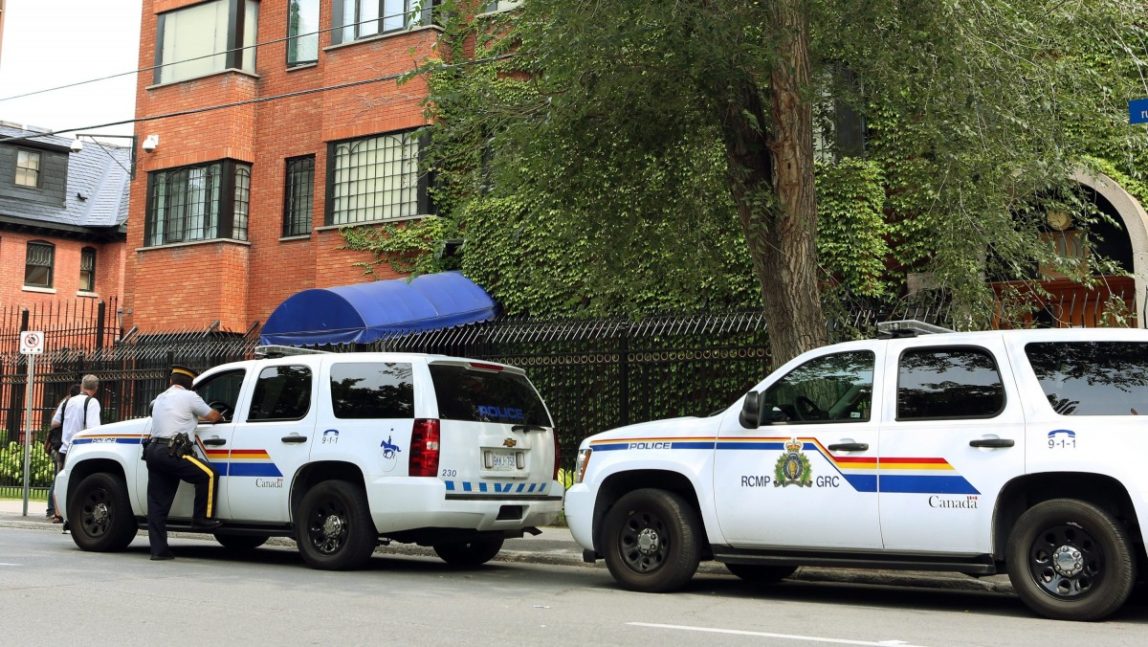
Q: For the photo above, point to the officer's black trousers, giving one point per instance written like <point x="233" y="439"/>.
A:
<point x="164" y="472"/>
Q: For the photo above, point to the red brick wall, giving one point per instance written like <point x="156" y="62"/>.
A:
<point x="65" y="274"/>
<point x="173" y="288"/>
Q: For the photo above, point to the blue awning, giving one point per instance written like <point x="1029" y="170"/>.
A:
<point x="364" y="312"/>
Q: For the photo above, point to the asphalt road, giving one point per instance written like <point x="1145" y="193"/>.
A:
<point x="54" y="594"/>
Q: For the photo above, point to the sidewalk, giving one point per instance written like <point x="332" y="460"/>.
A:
<point x="556" y="546"/>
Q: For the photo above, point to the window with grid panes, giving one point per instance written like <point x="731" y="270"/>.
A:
<point x="198" y="202"/>
<point x="28" y="168"/>
<point x="299" y="196"/>
<point x="359" y="19"/>
<point x="41" y="257"/>
<point x="88" y="269"/>
<point x="373" y="179"/>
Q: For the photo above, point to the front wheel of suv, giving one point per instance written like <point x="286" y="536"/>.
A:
<point x="650" y="541"/>
<point x="100" y="515"/>
<point x="1070" y="560"/>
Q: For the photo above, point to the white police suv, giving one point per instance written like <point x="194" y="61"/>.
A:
<point x="983" y="453"/>
<point x="342" y="452"/>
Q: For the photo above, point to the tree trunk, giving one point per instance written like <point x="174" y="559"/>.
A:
<point x="771" y="171"/>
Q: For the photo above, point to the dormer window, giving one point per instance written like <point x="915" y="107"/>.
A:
<point x="28" y="168"/>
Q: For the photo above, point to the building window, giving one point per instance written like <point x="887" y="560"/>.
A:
<point x="206" y="38"/>
<point x="302" y="32"/>
<point x="299" y="196"/>
<point x="38" y="265"/>
<point x="88" y="269"/>
<point x="366" y="18"/>
<point x="491" y="6"/>
<point x="376" y="178"/>
<point x="188" y="203"/>
<point x="27" y="168"/>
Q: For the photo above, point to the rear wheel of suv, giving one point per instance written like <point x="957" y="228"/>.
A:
<point x="472" y="553"/>
<point x="650" y="542"/>
<point x="1070" y="560"/>
<point x="761" y="573"/>
<point x="333" y="527"/>
<point x="100" y="516"/>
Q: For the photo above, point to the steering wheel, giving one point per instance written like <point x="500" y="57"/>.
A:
<point x="222" y="407"/>
<point x="807" y="409"/>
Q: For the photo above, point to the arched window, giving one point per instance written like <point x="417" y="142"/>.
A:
<point x="88" y="269"/>
<point x="38" y="264"/>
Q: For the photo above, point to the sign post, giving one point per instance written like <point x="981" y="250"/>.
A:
<point x="31" y="344"/>
<point x="1138" y="111"/>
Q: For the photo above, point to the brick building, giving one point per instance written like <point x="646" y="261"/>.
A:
<point x="252" y="159"/>
<point x="62" y="214"/>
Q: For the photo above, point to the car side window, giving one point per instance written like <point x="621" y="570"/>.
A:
<point x="948" y="383"/>
<point x="1092" y="378"/>
<point x="222" y="388"/>
<point x="831" y="388"/>
<point x="281" y="393"/>
<point x="372" y="390"/>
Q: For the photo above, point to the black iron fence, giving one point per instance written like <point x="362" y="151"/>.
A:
<point x="594" y="374"/>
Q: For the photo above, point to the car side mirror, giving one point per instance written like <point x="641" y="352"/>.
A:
<point x="750" y="416"/>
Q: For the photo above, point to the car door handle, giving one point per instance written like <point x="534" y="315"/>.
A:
<point x="849" y="447"/>
<point x="992" y="442"/>
<point x="294" y="439"/>
<point x="214" y="442"/>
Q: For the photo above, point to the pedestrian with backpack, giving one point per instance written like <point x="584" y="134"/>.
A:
<point x="52" y="447"/>
<point x="80" y="412"/>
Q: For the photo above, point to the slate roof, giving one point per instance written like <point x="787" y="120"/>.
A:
<point x="100" y="173"/>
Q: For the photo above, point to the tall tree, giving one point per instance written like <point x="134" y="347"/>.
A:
<point x="603" y="117"/>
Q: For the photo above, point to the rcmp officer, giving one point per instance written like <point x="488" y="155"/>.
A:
<point x="170" y="456"/>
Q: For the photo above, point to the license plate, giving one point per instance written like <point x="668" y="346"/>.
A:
<point x="500" y="461"/>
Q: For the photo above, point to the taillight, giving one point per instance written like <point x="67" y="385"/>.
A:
<point x="424" y="447"/>
<point x="557" y="453"/>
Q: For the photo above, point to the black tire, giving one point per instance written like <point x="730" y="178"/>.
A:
<point x="472" y="553"/>
<point x="333" y="527"/>
<point x="761" y="573"/>
<point x="100" y="515"/>
<point x="240" y="543"/>
<point x="1069" y="560"/>
<point x="651" y="542"/>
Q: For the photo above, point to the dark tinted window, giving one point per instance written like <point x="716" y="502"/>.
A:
<point x="1092" y="378"/>
<point x="486" y="396"/>
<point x="282" y="393"/>
<point x="223" y="387"/>
<point x="834" y="388"/>
<point x="935" y="383"/>
<point x="376" y="390"/>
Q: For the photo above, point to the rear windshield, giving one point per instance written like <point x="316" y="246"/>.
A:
<point x="485" y="396"/>
<point x="1092" y="378"/>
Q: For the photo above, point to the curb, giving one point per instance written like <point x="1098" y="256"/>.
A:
<point x="564" y="552"/>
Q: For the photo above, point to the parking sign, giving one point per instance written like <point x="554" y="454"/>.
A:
<point x="32" y="342"/>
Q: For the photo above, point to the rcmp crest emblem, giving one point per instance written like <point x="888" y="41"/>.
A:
<point x="793" y="467"/>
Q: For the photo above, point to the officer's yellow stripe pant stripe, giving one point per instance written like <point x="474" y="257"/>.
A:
<point x="210" y="483"/>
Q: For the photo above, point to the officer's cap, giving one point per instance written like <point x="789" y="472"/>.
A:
<point x="183" y="370"/>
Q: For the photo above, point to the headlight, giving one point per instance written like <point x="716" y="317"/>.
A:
<point x="581" y="463"/>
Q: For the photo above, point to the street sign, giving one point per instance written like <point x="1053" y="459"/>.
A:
<point x="1138" y="111"/>
<point x="31" y="342"/>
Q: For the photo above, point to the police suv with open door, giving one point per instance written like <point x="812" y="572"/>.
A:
<point x="342" y="452"/>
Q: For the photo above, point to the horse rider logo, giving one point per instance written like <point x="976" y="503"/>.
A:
<point x="793" y="467"/>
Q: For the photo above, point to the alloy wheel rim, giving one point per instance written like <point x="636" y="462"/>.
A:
<point x="1066" y="561"/>
<point x="643" y="542"/>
